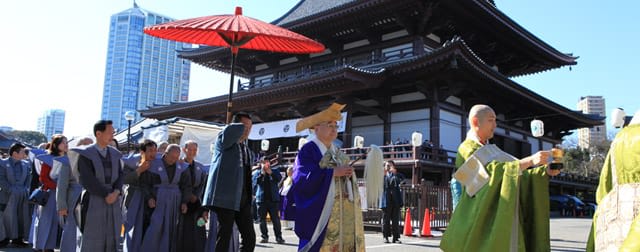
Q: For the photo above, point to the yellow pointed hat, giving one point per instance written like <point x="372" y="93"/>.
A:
<point x="332" y="113"/>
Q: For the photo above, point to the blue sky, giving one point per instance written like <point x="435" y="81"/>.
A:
<point x="54" y="54"/>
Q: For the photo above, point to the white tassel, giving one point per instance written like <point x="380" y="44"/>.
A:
<point x="374" y="176"/>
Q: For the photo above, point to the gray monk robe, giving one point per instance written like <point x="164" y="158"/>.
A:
<point x="67" y="197"/>
<point x="134" y="208"/>
<point x="15" y="177"/>
<point x="192" y="237"/>
<point x="170" y="186"/>
<point x="100" y="174"/>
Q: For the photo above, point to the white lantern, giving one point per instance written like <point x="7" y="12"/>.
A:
<point x="264" y="145"/>
<point x="358" y="142"/>
<point x="537" y="128"/>
<point x="130" y="115"/>
<point x="416" y="138"/>
<point x="617" y="117"/>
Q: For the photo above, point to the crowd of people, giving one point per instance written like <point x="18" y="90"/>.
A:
<point x="87" y="197"/>
<point x="92" y="197"/>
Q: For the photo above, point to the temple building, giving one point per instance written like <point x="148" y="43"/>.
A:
<point x="400" y="66"/>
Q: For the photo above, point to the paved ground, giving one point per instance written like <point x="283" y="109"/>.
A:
<point x="567" y="235"/>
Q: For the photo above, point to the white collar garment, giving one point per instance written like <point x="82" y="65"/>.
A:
<point x="321" y="146"/>
<point x="471" y="135"/>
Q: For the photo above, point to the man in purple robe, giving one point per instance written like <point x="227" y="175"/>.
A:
<point x="326" y="195"/>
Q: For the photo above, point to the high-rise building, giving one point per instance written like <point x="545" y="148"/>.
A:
<point x="141" y="70"/>
<point x="51" y="122"/>
<point x="588" y="137"/>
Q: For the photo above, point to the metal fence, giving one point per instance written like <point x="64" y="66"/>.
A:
<point x="417" y="198"/>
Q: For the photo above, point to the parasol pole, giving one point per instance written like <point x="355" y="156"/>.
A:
<point x="234" y="54"/>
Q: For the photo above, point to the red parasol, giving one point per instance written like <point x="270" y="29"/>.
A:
<point x="235" y="31"/>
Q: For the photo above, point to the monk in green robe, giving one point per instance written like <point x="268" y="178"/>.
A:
<point x="504" y="205"/>
<point x="616" y="224"/>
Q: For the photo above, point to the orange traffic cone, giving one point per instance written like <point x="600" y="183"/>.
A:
<point x="408" y="230"/>
<point x="426" y="224"/>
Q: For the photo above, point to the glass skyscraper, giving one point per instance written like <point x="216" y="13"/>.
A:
<point x="141" y="70"/>
<point x="51" y="122"/>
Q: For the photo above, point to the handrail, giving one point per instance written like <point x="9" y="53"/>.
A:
<point x="391" y="152"/>
<point x="374" y="62"/>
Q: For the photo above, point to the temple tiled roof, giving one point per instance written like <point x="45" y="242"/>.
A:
<point x="349" y="78"/>
<point x="307" y="8"/>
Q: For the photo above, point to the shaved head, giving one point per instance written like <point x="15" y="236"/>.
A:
<point x="482" y="120"/>
<point x="480" y="111"/>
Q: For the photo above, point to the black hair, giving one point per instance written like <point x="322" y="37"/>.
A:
<point x="237" y="117"/>
<point x="16" y="147"/>
<point x="55" y="141"/>
<point x="101" y="126"/>
<point x="146" y="144"/>
<point x="188" y="142"/>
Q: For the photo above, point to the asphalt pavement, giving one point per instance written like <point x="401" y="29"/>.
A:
<point x="567" y="235"/>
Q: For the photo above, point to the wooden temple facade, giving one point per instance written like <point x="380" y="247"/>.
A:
<point x="400" y="66"/>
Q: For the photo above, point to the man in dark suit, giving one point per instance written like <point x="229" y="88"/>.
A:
<point x="391" y="202"/>
<point x="228" y="191"/>
<point x="265" y="182"/>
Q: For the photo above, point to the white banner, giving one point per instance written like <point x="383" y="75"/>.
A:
<point x="286" y="128"/>
<point x="204" y="138"/>
<point x="157" y="134"/>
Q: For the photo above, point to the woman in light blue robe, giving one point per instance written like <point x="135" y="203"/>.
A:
<point x="45" y="226"/>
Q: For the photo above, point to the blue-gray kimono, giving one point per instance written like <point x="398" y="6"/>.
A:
<point x="134" y="205"/>
<point x="67" y="197"/>
<point x="45" y="225"/>
<point x="192" y="236"/>
<point x="15" y="177"/>
<point x="100" y="175"/>
<point x="169" y="191"/>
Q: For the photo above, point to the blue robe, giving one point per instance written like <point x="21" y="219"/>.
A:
<point x="45" y="225"/>
<point x="69" y="190"/>
<point x="192" y="237"/>
<point x="310" y="183"/>
<point x="134" y="207"/>
<point x="102" y="222"/>
<point x="162" y="233"/>
<point x="15" y="189"/>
